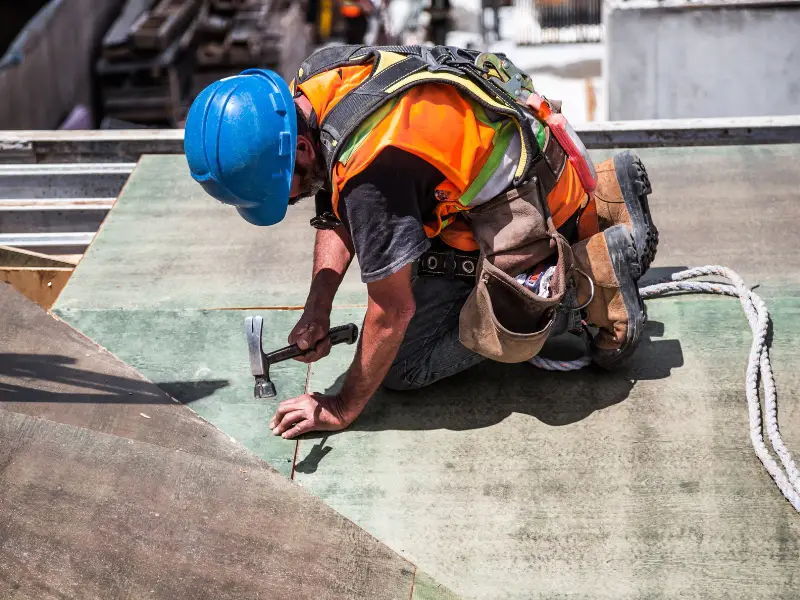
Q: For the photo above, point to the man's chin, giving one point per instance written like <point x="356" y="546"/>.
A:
<point x="309" y="192"/>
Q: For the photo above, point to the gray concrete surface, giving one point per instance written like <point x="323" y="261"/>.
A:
<point x="504" y="482"/>
<point x="112" y="489"/>
<point x="666" y="62"/>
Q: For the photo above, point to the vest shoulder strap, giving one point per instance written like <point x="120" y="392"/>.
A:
<point x="395" y="70"/>
<point x="334" y="57"/>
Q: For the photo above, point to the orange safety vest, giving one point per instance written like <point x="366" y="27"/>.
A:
<point x="438" y="124"/>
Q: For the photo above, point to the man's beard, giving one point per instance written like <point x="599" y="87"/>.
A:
<point x="312" y="179"/>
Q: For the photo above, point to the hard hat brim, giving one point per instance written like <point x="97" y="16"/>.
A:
<point x="264" y="215"/>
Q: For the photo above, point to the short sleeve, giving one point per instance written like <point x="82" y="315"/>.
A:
<point x="383" y="208"/>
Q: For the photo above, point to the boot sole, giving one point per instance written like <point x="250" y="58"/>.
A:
<point x="635" y="185"/>
<point x="628" y="270"/>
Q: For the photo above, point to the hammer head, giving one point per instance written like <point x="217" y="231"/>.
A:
<point x="259" y="368"/>
<point x="264" y="388"/>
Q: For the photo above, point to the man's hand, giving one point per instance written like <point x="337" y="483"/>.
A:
<point x="310" y="329"/>
<point x="309" y="412"/>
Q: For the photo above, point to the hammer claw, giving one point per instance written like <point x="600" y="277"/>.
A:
<point x="253" y="327"/>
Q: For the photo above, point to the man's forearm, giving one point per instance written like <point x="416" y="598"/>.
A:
<point x="381" y="337"/>
<point x="333" y="252"/>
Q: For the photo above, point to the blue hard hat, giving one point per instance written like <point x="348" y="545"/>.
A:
<point x="240" y="139"/>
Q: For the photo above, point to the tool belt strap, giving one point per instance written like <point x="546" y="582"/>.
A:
<point x="448" y="264"/>
<point x="549" y="166"/>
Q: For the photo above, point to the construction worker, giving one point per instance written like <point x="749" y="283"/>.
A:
<point x="403" y="148"/>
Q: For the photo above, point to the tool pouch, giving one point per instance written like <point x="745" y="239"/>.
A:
<point x="501" y="319"/>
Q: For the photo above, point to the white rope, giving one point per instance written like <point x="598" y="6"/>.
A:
<point x="786" y="475"/>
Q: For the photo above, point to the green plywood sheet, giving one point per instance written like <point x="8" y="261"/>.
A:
<point x="167" y="244"/>
<point x="425" y="588"/>
<point x="509" y="482"/>
<point x="735" y="206"/>
<point x="110" y="488"/>
<point x="200" y="358"/>
<point x="505" y="482"/>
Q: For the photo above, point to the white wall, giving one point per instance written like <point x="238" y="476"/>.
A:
<point x="713" y="61"/>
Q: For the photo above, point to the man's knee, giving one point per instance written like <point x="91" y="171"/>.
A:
<point x="398" y="380"/>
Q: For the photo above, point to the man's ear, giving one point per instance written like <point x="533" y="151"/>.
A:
<point x="306" y="153"/>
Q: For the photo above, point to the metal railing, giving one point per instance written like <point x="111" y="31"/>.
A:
<point x="558" y="21"/>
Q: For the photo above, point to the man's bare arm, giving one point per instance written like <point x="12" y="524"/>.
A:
<point x="390" y="309"/>
<point x="333" y="253"/>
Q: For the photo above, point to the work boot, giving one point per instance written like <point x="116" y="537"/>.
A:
<point x="609" y="259"/>
<point x="621" y="198"/>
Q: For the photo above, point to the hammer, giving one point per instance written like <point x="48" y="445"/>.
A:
<point x="260" y="362"/>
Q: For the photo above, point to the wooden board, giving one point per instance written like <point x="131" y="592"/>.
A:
<point x="42" y="285"/>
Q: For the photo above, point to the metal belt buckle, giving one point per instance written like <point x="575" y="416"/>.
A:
<point x="508" y="75"/>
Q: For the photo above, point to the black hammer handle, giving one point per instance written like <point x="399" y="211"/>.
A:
<point x="346" y="334"/>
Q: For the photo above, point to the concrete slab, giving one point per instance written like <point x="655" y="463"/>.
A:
<point x="506" y="482"/>
<point x="200" y="358"/>
<point x="167" y="244"/>
<point x="509" y="482"/>
<point x="110" y="488"/>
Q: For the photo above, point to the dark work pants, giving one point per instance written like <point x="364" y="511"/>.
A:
<point x="430" y="350"/>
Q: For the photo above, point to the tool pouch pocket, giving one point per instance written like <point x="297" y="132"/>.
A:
<point x="501" y="319"/>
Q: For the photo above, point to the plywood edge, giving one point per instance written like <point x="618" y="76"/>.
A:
<point x="41" y="285"/>
<point x="17" y="257"/>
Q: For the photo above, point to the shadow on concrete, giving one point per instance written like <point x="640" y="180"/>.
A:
<point x="187" y="392"/>
<point x="488" y="393"/>
<point x="310" y="463"/>
<point x="655" y="274"/>
<point x="54" y="378"/>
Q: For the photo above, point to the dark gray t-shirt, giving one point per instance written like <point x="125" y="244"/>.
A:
<point x="383" y="208"/>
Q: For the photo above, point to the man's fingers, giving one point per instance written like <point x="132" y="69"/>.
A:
<point x="299" y="429"/>
<point x="310" y="336"/>
<point x="297" y="332"/>
<point x="321" y="350"/>
<point x="284" y="407"/>
<point x="288" y="421"/>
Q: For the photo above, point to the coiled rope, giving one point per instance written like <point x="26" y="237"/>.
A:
<point x="785" y="474"/>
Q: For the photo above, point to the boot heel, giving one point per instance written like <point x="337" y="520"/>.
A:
<point x="635" y="185"/>
<point x="622" y="251"/>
